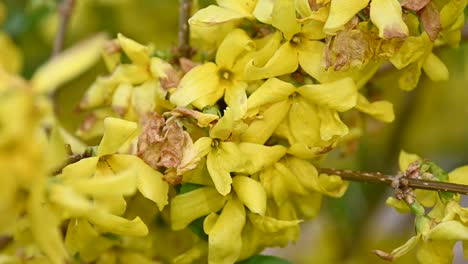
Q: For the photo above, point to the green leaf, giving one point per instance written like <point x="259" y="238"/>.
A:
<point x="188" y="187"/>
<point x="197" y="228"/>
<point x="262" y="259"/>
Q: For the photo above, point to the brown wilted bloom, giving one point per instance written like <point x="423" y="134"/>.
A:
<point x="414" y="5"/>
<point x="349" y="47"/>
<point x="161" y="142"/>
<point x="430" y="19"/>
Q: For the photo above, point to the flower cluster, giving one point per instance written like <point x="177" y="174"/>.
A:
<point x="225" y="144"/>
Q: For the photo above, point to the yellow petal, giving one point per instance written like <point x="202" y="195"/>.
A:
<point x="197" y="251"/>
<point x="271" y="91"/>
<point x="405" y="159"/>
<point x="254" y="162"/>
<point x="123" y="183"/>
<point x="435" y="68"/>
<point x="310" y="59"/>
<point x="83" y="238"/>
<point x="233" y="45"/>
<point x="260" y="130"/>
<point x="399" y="205"/>
<point x="84" y="169"/>
<point x="306" y="173"/>
<point x="219" y="174"/>
<point x="263" y="10"/>
<point x="119" y="225"/>
<point x="143" y="97"/>
<point x="304" y="123"/>
<point x="116" y="133"/>
<point x="387" y="16"/>
<point x="121" y="98"/>
<point x="225" y="238"/>
<point x="459" y="175"/>
<point x="149" y="181"/>
<point x="437" y="252"/>
<point x="138" y="53"/>
<point x="412" y="50"/>
<point x="341" y="11"/>
<point x="236" y="98"/>
<point x="245" y="6"/>
<point x="312" y="30"/>
<point x="250" y="193"/>
<point x="189" y="206"/>
<point x="215" y="15"/>
<point x="198" y="82"/>
<point x="192" y="155"/>
<point x="266" y="48"/>
<point x="45" y="227"/>
<point x="69" y="64"/>
<point x="209" y="222"/>
<point x="56" y="151"/>
<point x="224" y="128"/>
<point x="269" y="224"/>
<point x="283" y="18"/>
<point x="381" y="110"/>
<point x="293" y="185"/>
<point x="331" y="124"/>
<point x="340" y="95"/>
<point x="11" y="57"/>
<point x="283" y="61"/>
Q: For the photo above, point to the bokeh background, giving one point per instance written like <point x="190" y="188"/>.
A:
<point x="431" y="121"/>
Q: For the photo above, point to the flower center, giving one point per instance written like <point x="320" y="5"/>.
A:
<point x="225" y="74"/>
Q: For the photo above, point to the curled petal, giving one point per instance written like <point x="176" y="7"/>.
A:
<point x="381" y="110"/>
<point x="139" y="54"/>
<point x="269" y="224"/>
<point x="149" y="181"/>
<point x="331" y="124"/>
<point x="283" y="61"/>
<point x="116" y="133"/>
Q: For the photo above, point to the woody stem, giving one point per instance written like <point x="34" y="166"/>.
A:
<point x="379" y="178"/>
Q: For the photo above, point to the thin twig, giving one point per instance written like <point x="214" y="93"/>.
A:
<point x="379" y="178"/>
<point x="65" y="11"/>
<point x="184" y="29"/>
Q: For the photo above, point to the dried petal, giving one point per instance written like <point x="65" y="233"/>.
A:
<point x="414" y="5"/>
<point x="150" y="139"/>
<point x="430" y="19"/>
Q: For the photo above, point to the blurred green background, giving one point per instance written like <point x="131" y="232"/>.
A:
<point x="431" y="121"/>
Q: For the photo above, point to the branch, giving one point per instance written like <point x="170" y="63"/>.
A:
<point x="65" y="11"/>
<point x="184" y="48"/>
<point x="379" y="178"/>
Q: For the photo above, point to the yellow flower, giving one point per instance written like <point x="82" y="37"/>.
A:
<point x="132" y="89"/>
<point x="204" y="85"/>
